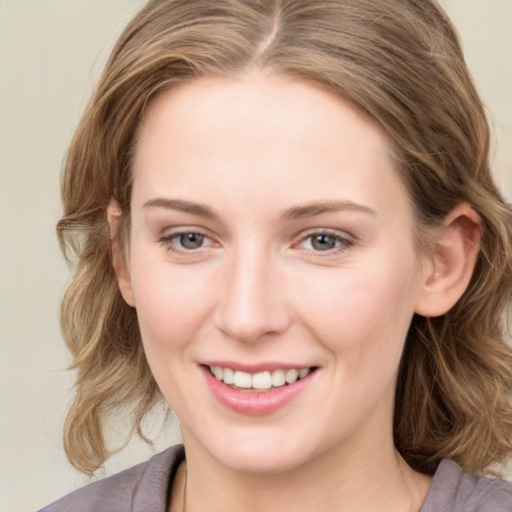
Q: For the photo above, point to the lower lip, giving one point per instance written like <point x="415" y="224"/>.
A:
<point x="255" y="403"/>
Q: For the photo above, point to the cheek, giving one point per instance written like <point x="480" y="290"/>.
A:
<point x="363" y="309"/>
<point x="171" y="303"/>
<point x="171" y="309"/>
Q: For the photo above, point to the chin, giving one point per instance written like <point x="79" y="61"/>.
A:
<point x="261" y="462"/>
<point x="262" y="451"/>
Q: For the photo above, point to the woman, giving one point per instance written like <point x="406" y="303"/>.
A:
<point x="284" y="224"/>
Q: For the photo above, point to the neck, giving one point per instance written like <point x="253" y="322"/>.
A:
<point x="341" y="480"/>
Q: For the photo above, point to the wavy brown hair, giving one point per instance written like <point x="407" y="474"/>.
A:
<point x="400" y="62"/>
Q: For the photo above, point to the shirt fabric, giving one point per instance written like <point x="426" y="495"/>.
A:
<point x="145" y="488"/>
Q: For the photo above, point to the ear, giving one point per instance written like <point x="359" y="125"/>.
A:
<point x="119" y="262"/>
<point x="450" y="265"/>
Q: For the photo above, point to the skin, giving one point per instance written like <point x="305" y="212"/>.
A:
<point x="251" y="150"/>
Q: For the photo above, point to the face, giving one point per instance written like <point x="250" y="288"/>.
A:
<point x="273" y="270"/>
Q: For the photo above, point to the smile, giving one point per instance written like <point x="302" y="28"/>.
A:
<point x="261" y="381"/>
<point x="260" y="392"/>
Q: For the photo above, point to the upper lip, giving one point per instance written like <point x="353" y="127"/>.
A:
<point x="257" y="367"/>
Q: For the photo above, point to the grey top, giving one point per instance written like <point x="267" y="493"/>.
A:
<point x="145" y="488"/>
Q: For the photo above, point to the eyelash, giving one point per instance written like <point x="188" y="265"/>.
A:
<point x="167" y="241"/>
<point x="342" y="243"/>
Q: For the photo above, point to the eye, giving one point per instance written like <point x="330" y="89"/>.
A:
<point x="186" y="241"/>
<point x="190" y="240"/>
<point x="325" y="242"/>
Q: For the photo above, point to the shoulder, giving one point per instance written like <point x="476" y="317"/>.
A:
<point x="141" y="487"/>
<point x="457" y="491"/>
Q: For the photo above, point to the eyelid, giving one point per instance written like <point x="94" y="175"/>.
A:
<point x="170" y="234"/>
<point x="346" y="241"/>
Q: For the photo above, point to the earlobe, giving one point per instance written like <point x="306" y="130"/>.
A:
<point x="452" y="262"/>
<point x="119" y="262"/>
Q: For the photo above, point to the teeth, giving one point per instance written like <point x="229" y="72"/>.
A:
<point x="303" y="372"/>
<point x="242" y="380"/>
<point x="278" y="378"/>
<point x="229" y="376"/>
<point x="260" y="380"/>
<point x="292" y="376"/>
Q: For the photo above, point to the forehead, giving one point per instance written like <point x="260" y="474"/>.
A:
<point x="216" y="134"/>
<point x="249" y="101"/>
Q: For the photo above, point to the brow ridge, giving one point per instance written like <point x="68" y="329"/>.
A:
<point x="293" y="213"/>
<point x="318" y="208"/>
<point x="181" y="205"/>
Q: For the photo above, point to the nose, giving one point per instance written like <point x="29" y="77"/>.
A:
<point x="252" y="304"/>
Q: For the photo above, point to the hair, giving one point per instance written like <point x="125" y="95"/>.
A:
<point x="398" y="61"/>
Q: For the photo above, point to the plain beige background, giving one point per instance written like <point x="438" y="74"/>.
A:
<point x="51" y="53"/>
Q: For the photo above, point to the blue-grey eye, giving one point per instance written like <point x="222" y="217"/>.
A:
<point x="323" y="242"/>
<point x="191" y="240"/>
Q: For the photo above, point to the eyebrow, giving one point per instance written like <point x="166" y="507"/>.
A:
<point x="318" y="208"/>
<point x="293" y="213"/>
<point x="183" y="206"/>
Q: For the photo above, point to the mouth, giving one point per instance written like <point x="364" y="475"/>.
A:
<point x="258" y="389"/>
<point x="260" y="382"/>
